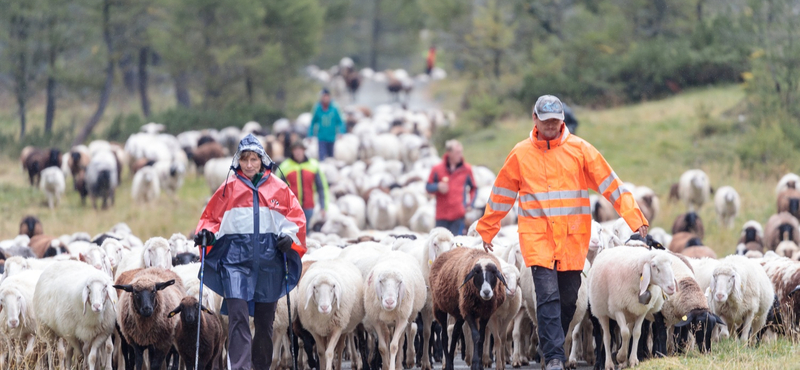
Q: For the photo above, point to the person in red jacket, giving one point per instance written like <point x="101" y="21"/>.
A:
<point x="451" y="180"/>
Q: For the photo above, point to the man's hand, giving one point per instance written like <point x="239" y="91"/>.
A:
<point x="322" y="213"/>
<point x="488" y="247"/>
<point x="643" y="230"/>
<point x="443" y="187"/>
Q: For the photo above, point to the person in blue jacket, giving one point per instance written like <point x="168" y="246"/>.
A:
<point x="253" y="229"/>
<point x="326" y="123"/>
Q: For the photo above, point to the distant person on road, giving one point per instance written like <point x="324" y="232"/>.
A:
<point x="326" y="124"/>
<point x="430" y="62"/>
<point x="552" y="171"/>
<point x="454" y="186"/>
<point x="305" y="179"/>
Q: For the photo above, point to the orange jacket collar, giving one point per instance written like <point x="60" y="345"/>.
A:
<point x="544" y="144"/>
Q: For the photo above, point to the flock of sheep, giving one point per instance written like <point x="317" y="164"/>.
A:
<point x="381" y="286"/>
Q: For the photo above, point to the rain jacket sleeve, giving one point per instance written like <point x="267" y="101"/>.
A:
<point x="315" y="121"/>
<point x="212" y="214"/>
<point x="294" y="223"/>
<point x="502" y="198"/>
<point x="602" y="179"/>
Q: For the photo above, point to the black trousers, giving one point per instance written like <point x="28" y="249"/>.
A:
<point x="556" y="295"/>
<point x="243" y="355"/>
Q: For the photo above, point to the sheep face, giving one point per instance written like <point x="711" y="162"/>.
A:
<point x="189" y="310"/>
<point x="96" y="293"/>
<point x="185" y="259"/>
<point x="97" y="258"/>
<point x="511" y="275"/>
<point x="145" y="299"/>
<point x="158" y="255"/>
<point x="390" y="290"/>
<point x="324" y="294"/>
<point x="441" y="241"/>
<point x="13" y="304"/>
<point x="658" y="271"/>
<point x="113" y="251"/>
<point x="484" y="275"/>
<point x="724" y="283"/>
<point x="702" y="323"/>
<point x="15" y="266"/>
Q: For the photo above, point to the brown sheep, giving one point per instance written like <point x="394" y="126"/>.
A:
<point x="78" y="160"/>
<point x="699" y="251"/>
<point x="207" y="151"/>
<point x="785" y="277"/>
<point x="682" y="240"/>
<point x="47" y="246"/>
<point x="30" y="226"/>
<point x="40" y="159"/>
<point x="673" y="193"/>
<point x="143" y="310"/>
<point x="689" y="222"/>
<point x="211" y="336"/>
<point x="465" y="283"/>
<point x="26" y="151"/>
<point x="781" y="226"/>
<point x="789" y="201"/>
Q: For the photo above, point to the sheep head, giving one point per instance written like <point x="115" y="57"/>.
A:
<point x="158" y="253"/>
<point x="97" y="258"/>
<point x="484" y="275"/>
<point x="657" y="271"/>
<point x="14" y="305"/>
<point x="145" y="297"/>
<point x="440" y="241"/>
<point x="189" y="309"/>
<point x="702" y="323"/>
<point x="511" y="275"/>
<point x="389" y="288"/>
<point x="725" y="281"/>
<point x="96" y="293"/>
<point x="324" y="292"/>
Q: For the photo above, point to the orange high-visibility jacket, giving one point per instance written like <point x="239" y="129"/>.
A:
<point x="552" y="179"/>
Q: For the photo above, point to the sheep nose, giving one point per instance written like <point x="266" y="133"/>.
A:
<point x="486" y="294"/>
<point x="720" y="297"/>
<point x="96" y="307"/>
<point x="325" y="309"/>
<point x="13" y="323"/>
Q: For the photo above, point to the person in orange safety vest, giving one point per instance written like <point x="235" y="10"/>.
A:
<point x="552" y="171"/>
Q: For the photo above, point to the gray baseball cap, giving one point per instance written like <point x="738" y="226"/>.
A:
<point x="548" y="107"/>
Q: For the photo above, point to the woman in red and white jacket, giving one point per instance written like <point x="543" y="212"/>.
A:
<point x="252" y="222"/>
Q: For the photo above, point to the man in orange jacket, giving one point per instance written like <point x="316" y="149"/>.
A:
<point x="552" y="171"/>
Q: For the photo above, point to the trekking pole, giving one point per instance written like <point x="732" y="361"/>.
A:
<point x="289" y="310"/>
<point x="200" y="301"/>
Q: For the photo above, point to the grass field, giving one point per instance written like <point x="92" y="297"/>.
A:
<point x="647" y="144"/>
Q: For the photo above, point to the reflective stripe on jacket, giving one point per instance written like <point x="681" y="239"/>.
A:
<point x="305" y="179"/>
<point x="553" y="178"/>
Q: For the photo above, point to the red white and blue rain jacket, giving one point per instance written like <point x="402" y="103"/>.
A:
<point x="247" y="219"/>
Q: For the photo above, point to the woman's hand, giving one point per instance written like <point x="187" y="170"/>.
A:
<point x="204" y="238"/>
<point x="284" y="243"/>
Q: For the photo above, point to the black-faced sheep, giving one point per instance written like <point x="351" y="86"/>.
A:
<point x="47" y="246"/>
<point x="211" y="335"/>
<point x="752" y="238"/>
<point x="38" y="160"/>
<point x="689" y="222"/>
<point x="30" y="226"/>
<point x="683" y="240"/>
<point x="143" y="313"/>
<point x="789" y="201"/>
<point x="780" y="227"/>
<point x="102" y="177"/>
<point x="467" y="284"/>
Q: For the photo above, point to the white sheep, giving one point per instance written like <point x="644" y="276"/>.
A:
<point x="741" y="293"/>
<point x="102" y="176"/>
<point x="408" y="200"/>
<point x="146" y="185"/>
<point x="17" y="264"/>
<point x="327" y="252"/>
<point x="170" y="176"/>
<point x="114" y="250"/>
<point x="394" y="292"/>
<point x="424" y="219"/>
<point x="336" y="289"/>
<point x="216" y="171"/>
<point x="341" y="225"/>
<point x="53" y="183"/>
<point x="155" y="253"/>
<point x="381" y="210"/>
<point x="694" y="189"/>
<point x="726" y="203"/>
<point x="17" y="317"/>
<point x="619" y="280"/>
<point x="60" y="301"/>
<point x="345" y="148"/>
<point x="355" y="207"/>
<point x="788" y="248"/>
<point x="788" y="181"/>
<point x="97" y="258"/>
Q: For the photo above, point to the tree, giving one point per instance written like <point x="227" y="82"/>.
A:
<point x="491" y="35"/>
<point x="19" y="19"/>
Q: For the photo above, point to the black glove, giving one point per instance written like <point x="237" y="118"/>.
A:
<point x="284" y="243"/>
<point x="204" y="238"/>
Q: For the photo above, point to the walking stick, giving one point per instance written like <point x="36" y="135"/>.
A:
<point x="200" y="301"/>
<point x="289" y="310"/>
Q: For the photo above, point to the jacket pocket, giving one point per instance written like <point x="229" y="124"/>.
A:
<point x="579" y="224"/>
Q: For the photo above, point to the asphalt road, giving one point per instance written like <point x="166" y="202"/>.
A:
<point x="461" y="365"/>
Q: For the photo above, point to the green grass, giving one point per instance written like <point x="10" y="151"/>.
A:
<point x="729" y="354"/>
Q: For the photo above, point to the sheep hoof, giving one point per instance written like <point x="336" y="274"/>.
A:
<point x="571" y="364"/>
<point x="516" y="364"/>
<point x="633" y="362"/>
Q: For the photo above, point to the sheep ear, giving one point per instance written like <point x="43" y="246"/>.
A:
<point x="81" y="257"/>
<point x="431" y="252"/>
<point x="174" y="312"/>
<point x="686" y="320"/>
<point x="111" y="294"/>
<point x="85" y="298"/>
<point x="401" y="293"/>
<point x="718" y="320"/>
<point x="128" y="288"/>
<point x="161" y="286"/>
<point x="147" y="262"/>
<point x="468" y="277"/>
<point x="644" y="280"/>
<point x="737" y="284"/>
<point x="712" y="287"/>
<point x="337" y="294"/>
<point x="512" y="257"/>
<point x="500" y="277"/>
<point x="206" y="310"/>
<point x="797" y="288"/>
<point x="309" y="294"/>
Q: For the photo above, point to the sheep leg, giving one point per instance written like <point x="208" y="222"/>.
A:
<point x="516" y="337"/>
<point x="747" y="325"/>
<point x="394" y="346"/>
<point x="382" y="331"/>
<point x="457" y="334"/>
<point x="138" y="352"/>
<point x="485" y="356"/>
<point x="330" y="348"/>
<point x="573" y="351"/>
<point x="277" y="340"/>
<point x="637" y="333"/>
<point x="156" y="357"/>
<point x="625" y="332"/>
<point x="339" y="351"/>
<point x="603" y="320"/>
<point x="411" y="351"/>
<point x="477" y="340"/>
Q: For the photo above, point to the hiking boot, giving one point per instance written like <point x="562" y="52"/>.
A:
<point x="555" y="364"/>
